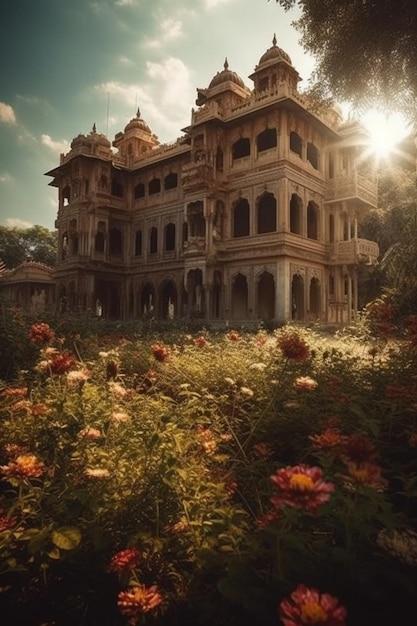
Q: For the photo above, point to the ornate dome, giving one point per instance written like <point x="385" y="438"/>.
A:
<point x="226" y="75"/>
<point x="98" y="137"/>
<point x="93" y="137"/>
<point x="274" y="53"/>
<point x="137" y="122"/>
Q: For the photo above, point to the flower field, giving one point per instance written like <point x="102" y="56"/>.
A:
<point x="265" y="478"/>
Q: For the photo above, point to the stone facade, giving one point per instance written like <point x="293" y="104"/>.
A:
<point x="251" y="215"/>
<point x="30" y="287"/>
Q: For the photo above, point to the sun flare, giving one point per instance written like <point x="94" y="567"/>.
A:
<point x="386" y="132"/>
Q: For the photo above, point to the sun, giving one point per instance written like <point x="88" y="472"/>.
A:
<point x="386" y="131"/>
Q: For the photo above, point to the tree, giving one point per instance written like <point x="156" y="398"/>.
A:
<point x="31" y="244"/>
<point x="365" y="50"/>
<point x="394" y="226"/>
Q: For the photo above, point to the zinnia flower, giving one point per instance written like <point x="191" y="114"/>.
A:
<point x="89" y="434"/>
<point x="138" y="600"/>
<point x="41" y="333"/>
<point x="200" y="342"/>
<point x="305" y="382"/>
<point x="14" y="392"/>
<point x="331" y="438"/>
<point x="160" y="351"/>
<point x="24" y="466"/>
<point x="124" y="560"/>
<point x="61" y="363"/>
<point x="293" y="347"/>
<point x="301" y="487"/>
<point x="309" y="606"/>
<point x="233" y="335"/>
<point x="365" y="474"/>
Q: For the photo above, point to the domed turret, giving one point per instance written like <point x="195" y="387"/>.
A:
<point x="274" y="54"/>
<point x="226" y="75"/>
<point x="137" y="123"/>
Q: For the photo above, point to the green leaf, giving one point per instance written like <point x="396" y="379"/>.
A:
<point x="66" y="537"/>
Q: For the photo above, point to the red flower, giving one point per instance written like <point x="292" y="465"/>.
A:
<point x="124" y="560"/>
<point x="138" y="600"/>
<point x="233" y="335"/>
<point x="365" y="474"/>
<point x="309" y="606"/>
<point x="62" y="362"/>
<point x="301" y="487"/>
<point x="331" y="438"/>
<point x="41" y="333"/>
<point x="160" y="351"/>
<point x="293" y="347"/>
<point x="200" y="342"/>
<point x="14" y="392"/>
<point x="358" y="449"/>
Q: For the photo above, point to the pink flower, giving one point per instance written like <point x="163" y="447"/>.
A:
<point x="329" y="439"/>
<point x="89" y="434"/>
<point x="305" y="382"/>
<point x="301" y="487"/>
<point x="41" y="333"/>
<point x="309" y="606"/>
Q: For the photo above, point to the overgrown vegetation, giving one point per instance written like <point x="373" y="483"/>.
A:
<point x="210" y="477"/>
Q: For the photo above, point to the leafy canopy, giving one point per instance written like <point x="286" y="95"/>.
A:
<point x="365" y="50"/>
<point x="36" y="243"/>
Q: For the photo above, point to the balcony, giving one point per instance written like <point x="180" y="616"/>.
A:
<point x="351" y="187"/>
<point x="354" y="251"/>
<point x="196" y="176"/>
<point x="195" y="246"/>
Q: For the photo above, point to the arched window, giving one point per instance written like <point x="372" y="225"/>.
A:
<point x="115" y="241"/>
<point x="295" y="214"/>
<point x="267" y="139"/>
<point x="241" y="218"/>
<point x="169" y="237"/>
<point x="66" y="195"/>
<point x="312" y="221"/>
<point x="296" y="143"/>
<point x="99" y="242"/>
<point x="153" y="240"/>
<point x="116" y="187"/>
<point x="241" y="148"/>
<point x="138" y="243"/>
<point x="139" y="191"/>
<point x="313" y="155"/>
<point x="154" y="186"/>
<point x="267" y="214"/>
<point x="171" y="181"/>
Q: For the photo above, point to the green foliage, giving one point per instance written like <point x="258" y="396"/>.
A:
<point x="36" y="243"/>
<point x="364" y="50"/>
<point x="135" y="463"/>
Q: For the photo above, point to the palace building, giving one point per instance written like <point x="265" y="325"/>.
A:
<point x="251" y="215"/>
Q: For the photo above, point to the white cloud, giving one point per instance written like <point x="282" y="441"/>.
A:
<point x="165" y="98"/>
<point x="125" y="3"/>
<point x="123" y="60"/>
<point x="5" y="177"/>
<point x="16" y="222"/>
<point x="7" y="114"/>
<point x="211" y="4"/>
<point x="170" y="29"/>
<point x="55" y="146"/>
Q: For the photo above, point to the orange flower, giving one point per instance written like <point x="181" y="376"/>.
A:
<point x="14" y="392"/>
<point x="24" y="466"/>
<point x="233" y="335"/>
<point x="309" y="606"/>
<point x="138" y="600"/>
<point x="365" y="474"/>
<point x="293" y="347"/>
<point x="301" y="487"/>
<point x="200" y="342"/>
<point x="331" y="438"/>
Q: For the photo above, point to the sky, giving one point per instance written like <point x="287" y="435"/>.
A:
<point x="65" y="65"/>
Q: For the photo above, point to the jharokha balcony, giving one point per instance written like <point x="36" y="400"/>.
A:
<point x="351" y="187"/>
<point x="354" y="251"/>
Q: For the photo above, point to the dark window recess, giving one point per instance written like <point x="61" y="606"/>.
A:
<point x="139" y="191"/>
<point x="267" y="214"/>
<point x="99" y="242"/>
<point x="296" y="143"/>
<point x="267" y="139"/>
<point x="116" y="188"/>
<point x="169" y="237"/>
<point x="155" y="186"/>
<point x="241" y="148"/>
<point x="138" y="243"/>
<point x="241" y="219"/>
<point x="313" y="155"/>
<point x="153" y="239"/>
<point x="115" y="241"/>
<point x="171" y="181"/>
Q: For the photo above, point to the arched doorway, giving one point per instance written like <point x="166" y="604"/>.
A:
<point x="169" y="300"/>
<point x="240" y="297"/>
<point x="148" y="299"/>
<point x="315" y="299"/>
<point x="195" y="292"/>
<point x="297" y="298"/>
<point x="266" y="297"/>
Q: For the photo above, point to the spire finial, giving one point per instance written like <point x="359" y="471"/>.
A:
<point x="226" y="64"/>
<point x="138" y="113"/>
<point x="94" y="128"/>
<point x="274" y="41"/>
